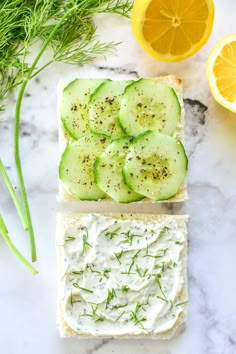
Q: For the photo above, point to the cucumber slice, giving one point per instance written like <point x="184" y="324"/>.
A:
<point x="74" y="108"/>
<point x="104" y="106"/>
<point x="76" y="167"/>
<point x="108" y="172"/>
<point x="149" y="105"/>
<point x="155" y="165"/>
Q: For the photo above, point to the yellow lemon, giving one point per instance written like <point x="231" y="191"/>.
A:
<point x="172" y="30"/>
<point x="221" y="72"/>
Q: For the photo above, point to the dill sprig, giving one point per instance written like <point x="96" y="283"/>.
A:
<point x="105" y="272"/>
<point x="124" y="288"/>
<point x="66" y="27"/>
<point x="78" y="272"/>
<point x="163" y="232"/>
<point x="129" y="237"/>
<point x="141" y="273"/>
<point x="162" y="298"/>
<point x="119" y="317"/>
<point x="111" y="294"/>
<point x="70" y="238"/>
<point x="72" y="299"/>
<point x="76" y="285"/>
<point x="158" y="281"/>
<point x="134" y="315"/>
<point x="116" y="307"/>
<point x="102" y="273"/>
<point x="179" y="243"/>
<point x="112" y="234"/>
<point x="163" y="253"/>
<point x="86" y="244"/>
<point x="94" y="314"/>
<point x="181" y="303"/>
<point x="118" y="255"/>
<point x="133" y="261"/>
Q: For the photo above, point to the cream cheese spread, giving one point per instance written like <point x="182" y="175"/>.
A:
<point x="122" y="277"/>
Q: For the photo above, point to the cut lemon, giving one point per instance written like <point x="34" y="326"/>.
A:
<point x="172" y="30"/>
<point x="221" y="72"/>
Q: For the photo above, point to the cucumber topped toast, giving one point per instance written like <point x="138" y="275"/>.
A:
<point x="140" y="125"/>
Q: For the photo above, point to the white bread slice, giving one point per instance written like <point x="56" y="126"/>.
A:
<point x="172" y="81"/>
<point x="67" y="220"/>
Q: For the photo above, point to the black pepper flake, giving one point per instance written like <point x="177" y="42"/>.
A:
<point x="74" y="107"/>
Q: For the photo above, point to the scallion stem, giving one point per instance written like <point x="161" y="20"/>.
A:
<point x="14" y="196"/>
<point x="5" y="235"/>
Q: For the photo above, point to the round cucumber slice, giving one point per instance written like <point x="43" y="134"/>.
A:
<point x="155" y="166"/>
<point x="149" y="105"/>
<point x="74" y="106"/>
<point x="104" y="106"/>
<point x="108" y="172"/>
<point x="76" y="167"/>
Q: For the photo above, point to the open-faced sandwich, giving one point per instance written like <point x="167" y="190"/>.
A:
<point x="122" y="140"/>
<point x="121" y="275"/>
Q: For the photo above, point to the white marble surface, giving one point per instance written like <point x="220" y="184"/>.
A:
<point x="28" y="303"/>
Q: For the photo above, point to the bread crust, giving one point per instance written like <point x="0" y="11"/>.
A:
<point x="70" y="219"/>
<point x="64" y="195"/>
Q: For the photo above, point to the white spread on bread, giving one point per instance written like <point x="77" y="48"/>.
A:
<point x="123" y="277"/>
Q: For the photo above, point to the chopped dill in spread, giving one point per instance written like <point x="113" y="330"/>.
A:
<point x="129" y="277"/>
<point x="76" y="285"/>
<point x="124" y="288"/>
<point x="111" y="293"/>
<point x="136" y="317"/>
<point x="86" y="244"/>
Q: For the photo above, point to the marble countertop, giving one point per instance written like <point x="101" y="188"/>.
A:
<point x="28" y="303"/>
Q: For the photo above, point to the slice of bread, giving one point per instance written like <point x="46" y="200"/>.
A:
<point x="64" y="221"/>
<point x="64" y="138"/>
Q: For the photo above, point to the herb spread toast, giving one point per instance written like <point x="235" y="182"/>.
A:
<point x="121" y="275"/>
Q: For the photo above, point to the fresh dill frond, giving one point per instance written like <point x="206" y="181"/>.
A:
<point x="25" y="22"/>
<point x="68" y="29"/>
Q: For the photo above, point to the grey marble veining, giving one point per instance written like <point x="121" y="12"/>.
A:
<point x="28" y="304"/>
